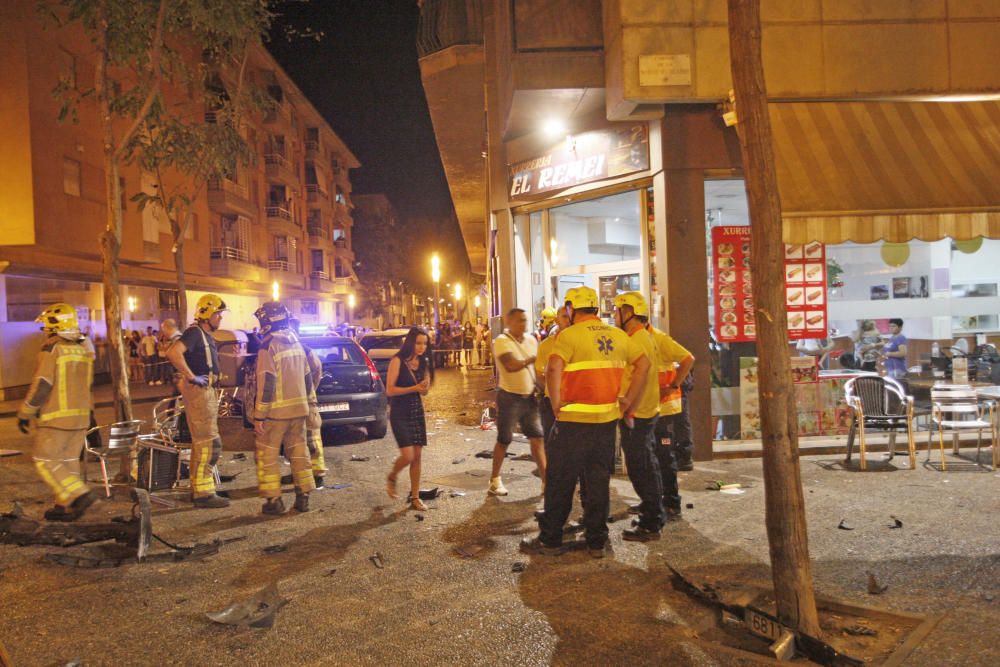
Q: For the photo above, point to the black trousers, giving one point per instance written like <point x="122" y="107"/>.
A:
<point x="574" y="450"/>
<point x="643" y="470"/>
<point x="681" y="424"/>
<point x="666" y="455"/>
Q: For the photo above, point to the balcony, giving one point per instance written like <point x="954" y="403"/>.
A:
<point x="279" y="114"/>
<point x="319" y="281"/>
<point x="342" y="286"/>
<point x="230" y="262"/>
<point x="279" y="168"/>
<point x="313" y="149"/>
<point x="447" y="23"/>
<point x="226" y="196"/>
<point x="315" y="195"/>
<point x="318" y="235"/>
<point x="285" y="272"/>
<point x="280" y="222"/>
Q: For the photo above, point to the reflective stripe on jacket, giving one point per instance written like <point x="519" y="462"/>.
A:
<point x="60" y="393"/>
<point x="282" y="367"/>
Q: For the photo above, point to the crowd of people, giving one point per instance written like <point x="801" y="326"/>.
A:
<point x="147" y="354"/>
<point x="570" y="387"/>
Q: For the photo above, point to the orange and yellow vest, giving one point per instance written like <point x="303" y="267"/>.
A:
<point x="670" y="353"/>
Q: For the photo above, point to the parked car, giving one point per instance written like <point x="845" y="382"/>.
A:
<point x="382" y="346"/>
<point x="350" y="392"/>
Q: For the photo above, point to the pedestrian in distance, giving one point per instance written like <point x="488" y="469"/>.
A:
<point x="149" y="358"/>
<point x="60" y="403"/>
<point x="584" y="380"/>
<point x="281" y="410"/>
<point x="196" y="359"/>
<point x="409" y="377"/>
<point x="517" y="398"/>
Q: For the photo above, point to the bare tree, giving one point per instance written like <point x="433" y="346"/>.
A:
<point x="784" y="501"/>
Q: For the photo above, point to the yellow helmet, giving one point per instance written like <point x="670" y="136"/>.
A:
<point x="208" y="305"/>
<point x="59" y="318"/>
<point x="634" y="299"/>
<point x="548" y="316"/>
<point x="581" y="297"/>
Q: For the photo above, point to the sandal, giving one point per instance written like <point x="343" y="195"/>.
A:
<point x="418" y="505"/>
<point x="390" y="486"/>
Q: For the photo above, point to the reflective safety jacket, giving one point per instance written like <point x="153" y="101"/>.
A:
<point x="60" y="394"/>
<point x="284" y="379"/>
<point x="670" y="353"/>
<point x="595" y="355"/>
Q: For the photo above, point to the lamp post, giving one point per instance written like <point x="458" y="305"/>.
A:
<point x="476" y="303"/>
<point x="458" y="301"/>
<point x="436" y="277"/>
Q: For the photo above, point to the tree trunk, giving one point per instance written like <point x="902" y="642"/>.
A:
<point x="179" y="266"/>
<point x="111" y="241"/>
<point x="784" y="501"/>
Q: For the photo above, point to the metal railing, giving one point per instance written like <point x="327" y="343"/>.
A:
<point x="278" y="212"/>
<point x="229" y="252"/>
<point x="275" y="158"/>
<point x="280" y="265"/>
<point x="313" y="192"/>
<point x="445" y="23"/>
<point x="323" y="275"/>
<point x="226" y="185"/>
<point x="311" y="146"/>
<point x="341" y="243"/>
<point x="318" y="231"/>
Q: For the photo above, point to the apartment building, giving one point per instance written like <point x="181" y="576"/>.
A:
<point x="284" y="221"/>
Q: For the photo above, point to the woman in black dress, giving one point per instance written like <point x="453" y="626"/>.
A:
<point x="409" y="377"/>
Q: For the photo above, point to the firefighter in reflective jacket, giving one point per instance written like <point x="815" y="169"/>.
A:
<point x="675" y="364"/>
<point x="314" y="434"/>
<point x="60" y="402"/>
<point x="584" y="380"/>
<point x="284" y="385"/>
<point x="196" y="359"/>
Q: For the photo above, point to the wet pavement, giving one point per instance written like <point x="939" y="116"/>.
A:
<point x="428" y="605"/>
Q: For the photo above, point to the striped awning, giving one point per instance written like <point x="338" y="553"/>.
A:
<point x="865" y="171"/>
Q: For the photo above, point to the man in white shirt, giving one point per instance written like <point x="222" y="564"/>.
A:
<point x="149" y="358"/>
<point x="517" y="403"/>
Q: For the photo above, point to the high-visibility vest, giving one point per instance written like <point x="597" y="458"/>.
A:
<point x="670" y="353"/>
<point x="281" y="378"/>
<point x="68" y="368"/>
<point x="595" y="355"/>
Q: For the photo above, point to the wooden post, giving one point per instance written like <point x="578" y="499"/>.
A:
<point x="784" y="501"/>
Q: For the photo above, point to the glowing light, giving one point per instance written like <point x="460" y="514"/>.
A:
<point x="131" y="304"/>
<point x="350" y="301"/>
<point x="476" y="301"/>
<point x="436" y="268"/>
<point x="554" y="127"/>
<point x="275" y="291"/>
<point x="553" y="252"/>
<point x="458" y="292"/>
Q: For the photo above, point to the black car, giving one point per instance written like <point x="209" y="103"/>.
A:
<point x="350" y="391"/>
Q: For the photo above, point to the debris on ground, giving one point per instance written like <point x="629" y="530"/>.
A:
<point x="377" y="560"/>
<point x="874" y="588"/>
<point x="470" y="550"/>
<point x="8" y="452"/>
<point x="518" y="566"/>
<point x="460" y="459"/>
<point x="256" y="612"/>
<point x="239" y="456"/>
<point x="720" y="485"/>
<point x="430" y="494"/>
<point x="896" y="523"/>
<point x="457" y="494"/>
<point x="843" y="525"/>
<point x="861" y="631"/>
<point x="229" y="478"/>
<point x="419" y="517"/>
<point x="485" y="454"/>
<point x="524" y="457"/>
<point x="276" y="548"/>
<point x="355" y="457"/>
<point x="689" y="506"/>
<point x="345" y="485"/>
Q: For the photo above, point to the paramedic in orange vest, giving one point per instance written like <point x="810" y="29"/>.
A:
<point x="584" y="379"/>
<point x="636" y="426"/>
<point x="59" y="400"/>
<point x="675" y="364"/>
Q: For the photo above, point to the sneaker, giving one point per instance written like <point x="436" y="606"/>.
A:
<point x="301" y="502"/>
<point x="534" y="545"/>
<point x="598" y="552"/>
<point x="635" y="509"/>
<point x="640" y="534"/>
<point x="273" y="506"/>
<point x="210" y="502"/>
<point x="497" y="488"/>
<point x="318" y="479"/>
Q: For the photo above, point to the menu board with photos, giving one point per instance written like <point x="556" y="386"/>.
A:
<point x="805" y="287"/>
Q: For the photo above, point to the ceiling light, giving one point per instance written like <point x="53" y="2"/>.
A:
<point x="554" y="127"/>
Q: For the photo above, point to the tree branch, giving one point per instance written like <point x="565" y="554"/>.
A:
<point x="153" y="79"/>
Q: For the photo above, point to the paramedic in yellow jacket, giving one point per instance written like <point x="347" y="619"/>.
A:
<point x="196" y="360"/>
<point x="675" y="363"/>
<point x="60" y="402"/>
<point x="284" y="385"/>
<point x="584" y="380"/>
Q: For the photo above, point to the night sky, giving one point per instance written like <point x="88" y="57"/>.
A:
<point x="364" y="78"/>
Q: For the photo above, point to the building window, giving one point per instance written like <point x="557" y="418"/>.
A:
<point x="71" y="177"/>
<point x="310" y="307"/>
<point x="168" y="299"/>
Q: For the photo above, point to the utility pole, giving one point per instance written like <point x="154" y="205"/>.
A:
<point x="785" y="514"/>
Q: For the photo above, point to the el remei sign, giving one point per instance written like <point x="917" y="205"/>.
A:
<point x="582" y="158"/>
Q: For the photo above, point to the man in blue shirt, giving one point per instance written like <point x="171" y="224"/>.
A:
<point x="895" y="351"/>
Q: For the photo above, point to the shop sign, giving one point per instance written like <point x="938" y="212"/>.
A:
<point x="582" y="158"/>
<point x="805" y="287"/>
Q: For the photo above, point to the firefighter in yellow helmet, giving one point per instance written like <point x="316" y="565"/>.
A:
<point x="284" y="385"/>
<point x="314" y="423"/>
<point x="584" y="380"/>
<point x="547" y="321"/>
<point x="637" y="425"/>
<point x="60" y="402"/>
<point x="196" y="358"/>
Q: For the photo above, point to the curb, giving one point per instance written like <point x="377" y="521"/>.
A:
<point x="102" y="404"/>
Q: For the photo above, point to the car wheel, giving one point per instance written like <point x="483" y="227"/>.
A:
<point x="377" y="430"/>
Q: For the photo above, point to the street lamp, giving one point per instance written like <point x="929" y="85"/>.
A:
<point x="436" y="277"/>
<point x="275" y="291"/>
<point x="458" y="301"/>
<point x="476" y="303"/>
<point x="350" y="308"/>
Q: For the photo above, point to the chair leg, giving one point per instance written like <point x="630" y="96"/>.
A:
<point x="944" y="466"/>
<point x="861" y="445"/>
<point x="104" y="472"/>
<point x="911" y="443"/>
<point x="979" y="446"/>
<point x="850" y="438"/>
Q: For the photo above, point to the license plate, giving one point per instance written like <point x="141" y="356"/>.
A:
<point x="335" y="407"/>
<point x="762" y="625"/>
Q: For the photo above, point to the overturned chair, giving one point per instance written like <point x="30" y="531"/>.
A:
<point x="879" y="404"/>
<point x="118" y="440"/>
